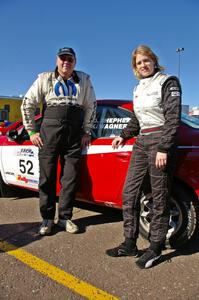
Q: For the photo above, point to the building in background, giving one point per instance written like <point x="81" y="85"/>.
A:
<point x="10" y="109"/>
<point x="194" y="111"/>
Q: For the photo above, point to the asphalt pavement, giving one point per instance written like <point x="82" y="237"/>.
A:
<point x="75" y="266"/>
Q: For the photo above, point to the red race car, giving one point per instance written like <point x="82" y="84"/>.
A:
<point x="103" y="170"/>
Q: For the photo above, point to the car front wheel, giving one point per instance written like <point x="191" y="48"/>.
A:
<point x="183" y="217"/>
<point x="5" y="190"/>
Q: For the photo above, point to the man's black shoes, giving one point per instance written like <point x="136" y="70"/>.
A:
<point x="122" y="250"/>
<point x="148" y="259"/>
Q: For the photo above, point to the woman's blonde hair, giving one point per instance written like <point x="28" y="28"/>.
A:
<point x="144" y="50"/>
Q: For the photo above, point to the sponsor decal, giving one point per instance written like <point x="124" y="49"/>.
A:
<point x="33" y="181"/>
<point x="22" y="178"/>
<point x="25" y="152"/>
<point x="10" y="173"/>
<point x="26" y="180"/>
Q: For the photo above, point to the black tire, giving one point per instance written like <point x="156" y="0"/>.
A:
<point x="183" y="216"/>
<point x="5" y="190"/>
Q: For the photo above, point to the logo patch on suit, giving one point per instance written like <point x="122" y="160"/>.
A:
<point x="174" y="88"/>
<point x="62" y="89"/>
<point x="175" y="94"/>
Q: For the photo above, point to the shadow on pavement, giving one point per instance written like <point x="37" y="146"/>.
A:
<point x="21" y="194"/>
<point x="21" y="234"/>
<point x="106" y="215"/>
<point x="84" y="222"/>
<point x="189" y="248"/>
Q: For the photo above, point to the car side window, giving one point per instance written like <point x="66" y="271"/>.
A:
<point x="110" y="121"/>
<point x="96" y="124"/>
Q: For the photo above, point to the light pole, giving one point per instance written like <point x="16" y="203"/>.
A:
<point x="179" y="50"/>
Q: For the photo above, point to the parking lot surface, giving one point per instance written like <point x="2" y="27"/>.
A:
<point x="74" y="267"/>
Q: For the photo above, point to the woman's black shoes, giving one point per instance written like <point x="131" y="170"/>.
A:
<point x="149" y="259"/>
<point x="122" y="250"/>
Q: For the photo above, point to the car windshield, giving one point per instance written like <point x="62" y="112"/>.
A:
<point x="191" y="121"/>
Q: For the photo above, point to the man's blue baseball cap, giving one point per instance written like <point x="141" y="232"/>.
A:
<point x="66" y="51"/>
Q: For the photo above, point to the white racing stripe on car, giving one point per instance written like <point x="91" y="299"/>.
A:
<point x="96" y="149"/>
<point x="188" y="147"/>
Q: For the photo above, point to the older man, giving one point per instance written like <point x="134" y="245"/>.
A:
<point x="69" y="107"/>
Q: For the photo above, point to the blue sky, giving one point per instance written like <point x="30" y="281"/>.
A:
<point x="103" y="34"/>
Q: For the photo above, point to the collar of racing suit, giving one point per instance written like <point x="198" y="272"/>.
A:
<point x="74" y="75"/>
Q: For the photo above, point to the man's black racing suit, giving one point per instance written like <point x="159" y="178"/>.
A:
<point x="69" y="111"/>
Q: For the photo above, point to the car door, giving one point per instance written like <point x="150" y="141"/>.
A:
<point x="103" y="169"/>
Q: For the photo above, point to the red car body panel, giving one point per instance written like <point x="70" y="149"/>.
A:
<point x="103" y="175"/>
<point x="188" y="156"/>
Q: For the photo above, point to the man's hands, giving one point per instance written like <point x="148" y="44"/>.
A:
<point x="36" y="140"/>
<point x="86" y="139"/>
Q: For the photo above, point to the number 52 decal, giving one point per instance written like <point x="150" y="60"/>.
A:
<point x="26" y="166"/>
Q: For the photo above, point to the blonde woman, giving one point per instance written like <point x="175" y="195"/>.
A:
<point x="155" y="121"/>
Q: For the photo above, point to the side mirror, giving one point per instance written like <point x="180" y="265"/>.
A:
<point x="13" y="135"/>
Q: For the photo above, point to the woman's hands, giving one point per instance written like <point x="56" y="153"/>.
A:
<point x="118" y="141"/>
<point x="161" y="160"/>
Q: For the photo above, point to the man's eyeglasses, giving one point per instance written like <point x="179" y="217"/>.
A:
<point x="67" y="57"/>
